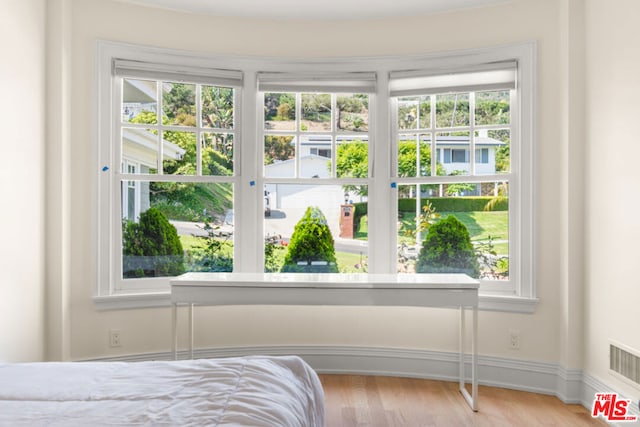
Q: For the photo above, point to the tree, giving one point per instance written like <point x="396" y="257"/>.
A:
<point x="179" y="104"/>
<point x="217" y="107"/>
<point x="279" y="106"/>
<point x="459" y="188"/>
<point x="278" y="148"/>
<point x="151" y="247"/>
<point x="352" y="161"/>
<point x="311" y="242"/>
<point x="447" y="248"/>
<point x="186" y="201"/>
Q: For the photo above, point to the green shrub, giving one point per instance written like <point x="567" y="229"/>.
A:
<point x="151" y="247"/>
<point x="447" y="248"/>
<point x="311" y="243"/>
<point x="213" y="253"/>
<point x="454" y="204"/>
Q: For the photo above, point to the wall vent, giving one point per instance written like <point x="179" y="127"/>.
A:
<point x="625" y="361"/>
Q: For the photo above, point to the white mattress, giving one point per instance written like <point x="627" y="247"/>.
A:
<point x="250" y="391"/>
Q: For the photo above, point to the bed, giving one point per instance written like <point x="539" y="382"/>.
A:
<point x="244" y="391"/>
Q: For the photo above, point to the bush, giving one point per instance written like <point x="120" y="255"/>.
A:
<point x="453" y="204"/>
<point x="447" y="248"/>
<point x="212" y="254"/>
<point x="151" y="247"/>
<point x="311" y="243"/>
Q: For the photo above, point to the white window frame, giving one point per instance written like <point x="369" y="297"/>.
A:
<point x="335" y="134"/>
<point x="248" y="198"/>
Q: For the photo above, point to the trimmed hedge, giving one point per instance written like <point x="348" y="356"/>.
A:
<point x="151" y="247"/>
<point x="311" y="248"/>
<point x="447" y="248"/>
<point x="361" y="209"/>
<point x="452" y="204"/>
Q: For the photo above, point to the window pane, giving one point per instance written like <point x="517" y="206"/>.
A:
<point x="408" y="112"/>
<point x="179" y="104"/>
<point x="176" y="228"/>
<point x="492" y="108"/>
<point x="184" y="145"/>
<point x="452" y="110"/>
<point x="217" y="107"/>
<point x="353" y="112"/>
<point x="414" y="155"/>
<point x="414" y="112"/>
<point x="316" y="112"/>
<point x="315" y="156"/>
<point x="279" y="156"/>
<point x="453" y="149"/>
<point x="497" y="143"/>
<point x="310" y="228"/>
<point x="139" y="101"/>
<point x="140" y="147"/>
<point x="280" y="111"/>
<point x="425" y="112"/>
<point x="217" y="153"/>
<point x="473" y="236"/>
<point x="352" y="159"/>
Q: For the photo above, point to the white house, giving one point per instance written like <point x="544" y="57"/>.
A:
<point x="140" y="155"/>
<point x="140" y="148"/>
<point x="451" y="151"/>
<point x="454" y="154"/>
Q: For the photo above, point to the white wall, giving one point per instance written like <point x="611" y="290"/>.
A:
<point x="22" y="85"/>
<point x="147" y="330"/>
<point x="613" y="141"/>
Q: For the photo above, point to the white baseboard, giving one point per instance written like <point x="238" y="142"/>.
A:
<point x="569" y="385"/>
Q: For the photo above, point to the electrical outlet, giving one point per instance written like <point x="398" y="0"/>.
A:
<point x="514" y="339"/>
<point x="115" y="338"/>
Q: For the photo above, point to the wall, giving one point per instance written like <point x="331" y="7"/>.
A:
<point x="612" y="110"/>
<point x="22" y="85"/>
<point x="147" y="330"/>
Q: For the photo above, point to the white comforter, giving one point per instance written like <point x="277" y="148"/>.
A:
<point x="249" y="391"/>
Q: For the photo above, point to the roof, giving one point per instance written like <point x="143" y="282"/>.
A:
<point x="325" y="140"/>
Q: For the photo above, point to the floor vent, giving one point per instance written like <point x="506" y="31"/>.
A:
<point x="625" y="362"/>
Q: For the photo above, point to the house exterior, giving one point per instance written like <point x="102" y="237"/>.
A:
<point x="452" y="152"/>
<point x="140" y="147"/>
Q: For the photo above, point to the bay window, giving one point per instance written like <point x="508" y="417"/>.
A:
<point x="227" y="160"/>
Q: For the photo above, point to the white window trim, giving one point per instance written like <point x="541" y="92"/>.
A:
<point x="522" y="299"/>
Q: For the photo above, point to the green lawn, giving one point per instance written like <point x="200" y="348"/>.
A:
<point x="481" y="225"/>
<point x="349" y="263"/>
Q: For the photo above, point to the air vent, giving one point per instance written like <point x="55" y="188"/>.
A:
<point x="625" y="361"/>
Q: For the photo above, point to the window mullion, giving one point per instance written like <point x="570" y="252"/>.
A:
<point x="383" y="208"/>
<point x="472" y="136"/>
<point x="158" y="126"/>
<point x="248" y="224"/>
<point x="199" y="134"/>
<point x="434" y="144"/>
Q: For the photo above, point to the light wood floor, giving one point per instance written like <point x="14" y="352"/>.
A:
<point x="353" y="400"/>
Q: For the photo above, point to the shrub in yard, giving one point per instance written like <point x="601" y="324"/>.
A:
<point x="447" y="248"/>
<point x="151" y="247"/>
<point x="311" y="246"/>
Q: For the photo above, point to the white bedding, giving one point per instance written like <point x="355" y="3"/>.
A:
<point x="249" y="391"/>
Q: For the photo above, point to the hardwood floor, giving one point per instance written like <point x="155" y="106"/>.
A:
<point x="354" y="400"/>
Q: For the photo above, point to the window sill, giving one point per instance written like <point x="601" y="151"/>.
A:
<point x="132" y="300"/>
<point x="510" y="304"/>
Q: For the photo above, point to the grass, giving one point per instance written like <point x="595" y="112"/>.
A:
<point x="480" y="224"/>
<point x="348" y="262"/>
